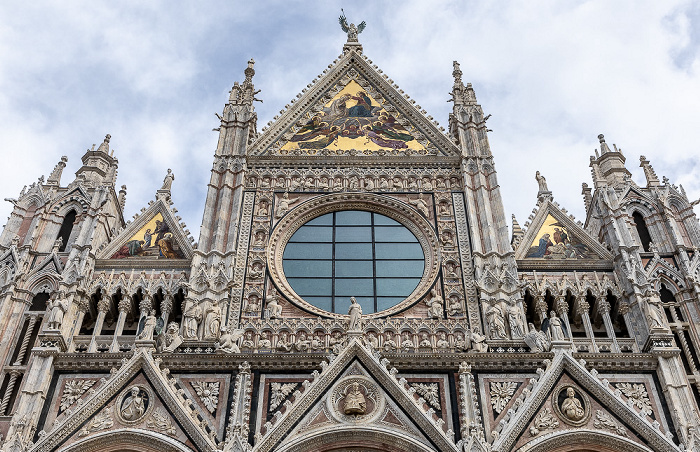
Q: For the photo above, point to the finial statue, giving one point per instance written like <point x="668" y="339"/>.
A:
<point x="168" y="181"/>
<point x="541" y="181"/>
<point x="351" y="29"/>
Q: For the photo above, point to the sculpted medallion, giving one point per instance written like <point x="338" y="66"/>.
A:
<point x="133" y="404"/>
<point x="356" y="399"/>
<point x="571" y="405"/>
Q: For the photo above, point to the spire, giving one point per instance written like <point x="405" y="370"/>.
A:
<point x="518" y="233"/>
<point x="99" y="166"/>
<point x="244" y="94"/>
<point x="609" y="165"/>
<point x="649" y="173"/>
<point x="55" y="176"/>
<point x="122" y="197"/>
<point x="587" y="197"/>
<point x="461" y="95"/>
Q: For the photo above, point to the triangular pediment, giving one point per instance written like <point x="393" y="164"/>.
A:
<point x="137" y="397"/>
<point x="568" y="399"/>
<point x="553" y="238"/>
<point x="353" y="110"/>
<point x="154" y="234"/>
<point x="357" y="395"/>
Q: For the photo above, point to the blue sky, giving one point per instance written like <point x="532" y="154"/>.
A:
<point x="152" y="74"/>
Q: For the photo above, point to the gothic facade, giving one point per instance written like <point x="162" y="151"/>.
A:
<point x="354" y="287"/>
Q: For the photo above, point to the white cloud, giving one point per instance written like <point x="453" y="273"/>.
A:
<point x="553" y="74"/>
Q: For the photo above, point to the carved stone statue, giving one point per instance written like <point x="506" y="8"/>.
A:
<point x="496" y="322"/>
<point x="57" y="306"/>
<point x="479" y="344"/>
<point x="421" y="205"/>
<point x="541" y="182"/>
<point x="455" y="305"/>
<point x="571" y="406"/>
<point x="191" y="319"/>
<point x="442" y="341"/>
<point x="171" y="339"/>
<point x="355" y="402"/>
<point x="435" y="305"/>
<point x="284" y="204"/>
<point x="212" y="322"/>
<point x="134" y="406"/>
<point x="536" y="340"/>
<point x="228" y="341"/>
<point x="516" y="322"/>
<point x="168" y="181"/>
<point x="555" y="328"/>
<point x="149" y="327"/>
<point x="274" y="309"/>
<point x="355" y="313"/>
<point x="372" y="340"/>
<point x="654" y="314"/>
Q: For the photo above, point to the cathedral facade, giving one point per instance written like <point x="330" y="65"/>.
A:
<point x="354" y="287"/>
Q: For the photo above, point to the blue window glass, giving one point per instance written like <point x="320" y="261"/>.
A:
<point x="353" y="254"/>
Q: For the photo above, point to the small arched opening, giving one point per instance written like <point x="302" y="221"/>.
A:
<point x="66" y="229"/>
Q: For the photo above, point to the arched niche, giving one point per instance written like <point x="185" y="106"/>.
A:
<point x="583" y="440"/>
<point x="132" y="440"/>
<point x="363" y="438"/>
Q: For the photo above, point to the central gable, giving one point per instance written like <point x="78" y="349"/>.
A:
<point x="353" y="110"/>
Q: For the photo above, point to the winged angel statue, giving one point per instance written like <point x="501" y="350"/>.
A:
<point x="351" y="29"/>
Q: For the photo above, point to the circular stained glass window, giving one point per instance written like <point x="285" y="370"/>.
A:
<point x="353" y="253"/>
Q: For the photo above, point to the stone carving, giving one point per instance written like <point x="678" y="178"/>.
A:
<point x="73" y="390"/>
<point x="516" y="322"/>
<point x="161" y="421"/>
<point x="191" y="319"/>
<point x="278" y="392"/>
<point x="302" y="343"/>
<point x="283" y="344"/>
<point x="425" y="341"/>
<point x="101" y="421"/>
<point x="541" y="182"/>
<point x="442" y="341"/>
<point x="212" y="322"/>
<point x="168" y="181"/>
<point x="284" y="204"/>
<point x="351" y="29"/>
<point x="544" y="420"/>
<point x="208" y="393"/>
<point x="654" y="314"/>
<point x="435" y="305"/>
<point x="478" y="341"/>
<point x="149" y="327"/>
<point x="604" y="421"/>
<point x="571" y="407"/>
<point x="256" y="270"/>
<point x="637" y="394"/>
<point x="429" y="392"/>
<point x="228" y="341"/>
<point x="355" y="313"/>
<point x="171" y="339"/>
<point x="355" y="402"/>
<point x="372" y="339"/>
<point x="57" y="306"/>
<point x="501" y="393"/>
<point x="537" y="340"/>
<point x="555" y="328"/>
<point x="496" y="322"/>
<point x="421" y="205"/>
<point x="133" y="404"/>
<point x="264" y="341"/>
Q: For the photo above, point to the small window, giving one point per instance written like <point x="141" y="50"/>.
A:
<point x="66" y="229"/>
<point x="642" y="230"/>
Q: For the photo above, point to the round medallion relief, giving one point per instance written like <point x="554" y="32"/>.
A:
<point x="133" y="404"/>
<point x="355" y="399"/>
<point x="571" y="405"/>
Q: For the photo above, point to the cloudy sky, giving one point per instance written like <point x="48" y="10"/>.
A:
<point x="152" y="74"/>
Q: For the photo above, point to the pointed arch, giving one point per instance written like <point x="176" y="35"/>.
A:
<point x="133" y="439"/>
<point x="64" y="233"/>
<point x="642" y="230"/>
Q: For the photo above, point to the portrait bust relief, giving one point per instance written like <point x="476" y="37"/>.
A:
<point x="571" y="405"/>
<point x="133" y="404"/>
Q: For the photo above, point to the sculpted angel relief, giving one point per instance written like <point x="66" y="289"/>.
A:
<point x="352" y="120"/>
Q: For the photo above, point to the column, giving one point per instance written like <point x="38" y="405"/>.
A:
<point x="166" y="306"/>
<point x="82" y="304"/>
<point x="582" y="307"/>
<point x="562" y="308"/>
<point x="25" y="342"/>
<point x="604" y="311"/>
<point x="124" y="308"/>
<point x="102" y="308"/>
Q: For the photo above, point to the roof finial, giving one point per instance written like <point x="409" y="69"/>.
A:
<point x="352" y="31"/>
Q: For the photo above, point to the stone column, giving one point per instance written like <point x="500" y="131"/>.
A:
<point x="13" y="375"/>
<point x="124" y="308"/>
<point x="562" y="308"/>
<point x="582" y="307"/>
<point x="102" y="308"/>
<point x="541" y="307"/>
<point x="25" y="342"/>
<point x="82" y="307"/>
<point x="166" y="306"/>
<point x="604" y="311"/>
<point x="145" y="307"/>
